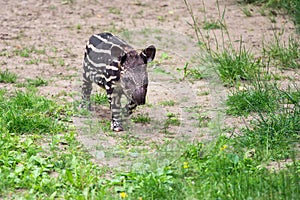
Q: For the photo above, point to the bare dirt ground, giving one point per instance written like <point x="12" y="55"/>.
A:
<point x="56" y="32"/>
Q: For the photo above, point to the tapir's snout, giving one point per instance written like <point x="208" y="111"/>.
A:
<point x="139" y="95"/>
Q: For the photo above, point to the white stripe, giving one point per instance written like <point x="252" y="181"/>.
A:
<point x="108" y="42"/>
<point x="112" y="67"/>
<point x="107" y="87"/>
<point x="110" y="78"/>
<point x="95" y="49"/>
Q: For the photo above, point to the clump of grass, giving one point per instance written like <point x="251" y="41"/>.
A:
<point x="284" y="55"/>
<point x="203" y="120"/>
<point x="26" y="51"/>
<point x="191" y="73"/>
<point x="262" y="97"/>
<point x="115" y="11"/>
<point x="207" y="171"/>
<point x="163" y="57"/>
<point x="33" y="62"/>
<point x="24" y="112"/>
<point x="247" y="11"/>
<point x="233" y="66"/>
<point x="209" y="25"/>
<point x="274" y="136"/>
<point x="100" y="98"/>
<point x="33" y="83"/>
<point x="34" y="153"/>
<point x="168" y="103"/>
<point x="7" y="77"/>
<point x="141" y="118"/>
<point x="172" y="120"/>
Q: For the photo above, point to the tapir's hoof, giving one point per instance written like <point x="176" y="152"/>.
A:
<point x="118" y="129"/>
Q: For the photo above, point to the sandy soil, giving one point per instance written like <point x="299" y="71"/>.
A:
<point x="61" y="29"/>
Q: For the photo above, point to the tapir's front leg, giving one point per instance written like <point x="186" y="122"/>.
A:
<point x="114" y="98"/>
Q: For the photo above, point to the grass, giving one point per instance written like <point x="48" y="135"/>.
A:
<point x="261" y="97"/>
<point x="247" y="12"/>
<point x="214" y="171"/>
<point x="100" y="98"/>
<point x="25" y="113"/>
<point x="172" y="120"/>
<point x="40" y="157"/>
<point x="37" y="161"/>
<point x="7" y="77"/>
<point x="141" y="118"/>
<point x="210" y="24"/>
<point x="27" y="51"/>
<point x="168" y="103"/>
<point x="285" y="56"/>
<point x="234" y="66"/>
<point x="33" y="83"/>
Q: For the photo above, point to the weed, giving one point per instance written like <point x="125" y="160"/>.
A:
<point x="163" y="57"/>
<point x="203" y="120"/>
<point x="100" y="98"/>
<point x="247" y="12"/>
<point x="33" y="83"/>
<point x="172" y="120"/>
<point x="263" y="97"/>
<point x="284" y="55"/>
<point x="191" y="73"/>
<point x="161" y="18"/>
<point x="115" y="11"/>
<point x="4" y="52"/>
<point x="26" y="51"/>
<point x="141" y="118"/>
<point x="61" y="62"/>
<point x="33" y="62"/>
<point x="7" y="77"/>
<point x="78" y="26"/>
<point x="105" y="125"/>
<point x="233" y="66"/>
<point x="23" y="52"/>
<point x="168" y="103"/>
<point x="209" y="25"/>
<point x="27" y="113"/>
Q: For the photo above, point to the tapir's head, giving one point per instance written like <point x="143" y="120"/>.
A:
<point x="134" y="76"/>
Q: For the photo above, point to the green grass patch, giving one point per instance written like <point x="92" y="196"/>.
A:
<point x="284" y="55"/>
<point x="216" y="170"/>
<point x="172" y="120"/>
<point x="40" y="157"/>
<point x="210" y="24"/>
<point x="274" y="137"/>
<point x="27" y="51"/>
<point x="168" y="103"/>
<point x="26" y="113"/>
<point x="261" y="97"/>
<point x="233" y="66"/>
<point x="99" y="98"/>
<point x="7" y="77"/>
<point x="141" y="118"/>
<point x="38" y="82"/>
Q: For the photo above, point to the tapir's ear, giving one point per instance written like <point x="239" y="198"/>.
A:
<point x="148" y="54"/>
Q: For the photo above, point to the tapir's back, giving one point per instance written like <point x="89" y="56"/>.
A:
<point x="104" y="48"/>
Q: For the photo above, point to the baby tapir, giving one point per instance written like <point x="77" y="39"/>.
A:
<point x="115" y="66"/>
